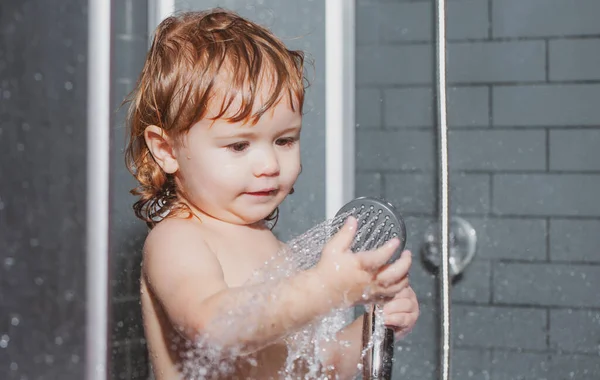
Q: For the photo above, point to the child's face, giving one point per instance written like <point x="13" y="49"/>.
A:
<point x="239" y="172"/>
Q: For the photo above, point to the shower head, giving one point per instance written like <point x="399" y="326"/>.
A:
<point x="378" y="222"/>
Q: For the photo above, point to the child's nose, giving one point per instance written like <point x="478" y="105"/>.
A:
<point x="266" y="164"/>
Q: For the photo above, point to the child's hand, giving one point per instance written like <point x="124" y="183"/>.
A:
<point x="401" y="312"/>
<point x="362" y="277"/>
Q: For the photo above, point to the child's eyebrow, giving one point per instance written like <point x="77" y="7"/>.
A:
<point x="293" y="128"/>
<point x="248" y="133"/>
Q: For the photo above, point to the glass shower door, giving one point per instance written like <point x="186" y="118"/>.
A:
<point x="531" y="166"/>
<point x="396" y="146"/>
<point x="523" y="83"/>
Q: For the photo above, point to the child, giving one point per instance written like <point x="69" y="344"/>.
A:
<point x="215" y="125"/>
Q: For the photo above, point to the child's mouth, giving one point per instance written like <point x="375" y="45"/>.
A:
<point x="263" y="193"/>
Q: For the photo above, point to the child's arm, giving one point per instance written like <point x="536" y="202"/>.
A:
<point x="187" y="279"/>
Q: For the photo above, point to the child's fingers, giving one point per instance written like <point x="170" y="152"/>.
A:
<point x="395" y="286"/>
<point x="401" y="305"/>
<point x="374" y="260"/>
<point x="342" y="240"/>
<point x="397" y="270"/>
<point x="397" y="321"/>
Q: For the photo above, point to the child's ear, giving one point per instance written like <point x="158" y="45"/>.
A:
<point x="161" y="148"/>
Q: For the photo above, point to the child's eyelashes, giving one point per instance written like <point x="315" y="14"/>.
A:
<point x="287" y="141"/>
<point x="238" y="146"/>
<point x="241" y="146"/>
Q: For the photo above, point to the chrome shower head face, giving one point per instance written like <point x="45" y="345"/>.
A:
<point x="378" y="222"/>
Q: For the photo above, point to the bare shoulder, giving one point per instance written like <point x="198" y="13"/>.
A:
<point x="179" y="264"/>
<point x="173" y="232"/>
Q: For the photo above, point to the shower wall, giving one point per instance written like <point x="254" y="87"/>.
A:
<point x="43" y="84"/>
<point x="524" y="84"/>
<point x="128" y="356"/>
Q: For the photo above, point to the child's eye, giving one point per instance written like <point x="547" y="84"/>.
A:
<point x="239" y="146"/>
<point x="286" y="141"/>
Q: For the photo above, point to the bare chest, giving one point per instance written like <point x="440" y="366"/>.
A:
<point x="245" y="260"/>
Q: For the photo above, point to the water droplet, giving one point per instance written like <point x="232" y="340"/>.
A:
<point x="58" y="341"/>
<point x="68" y="86"/>
<point x="4" y="341"/>
<point x="49" y="359"/>
<point x="38" y="76"/>
<point x="69" y="295"/>
<point x="38" y="281"/>
<point x="15" y="321"/>
<point x="14" y="366"/>
<point x="8" y="262"/>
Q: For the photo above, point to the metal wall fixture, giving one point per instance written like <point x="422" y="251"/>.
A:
<point x="462" y="246"/>
<point x="442" y="129"/>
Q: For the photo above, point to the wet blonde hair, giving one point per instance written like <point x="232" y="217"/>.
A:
<point x="183" y="75"/>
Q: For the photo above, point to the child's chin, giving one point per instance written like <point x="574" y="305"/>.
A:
<point x="255" y="218"/>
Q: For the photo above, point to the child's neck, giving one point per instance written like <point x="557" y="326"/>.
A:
<point x="218" y="224"/>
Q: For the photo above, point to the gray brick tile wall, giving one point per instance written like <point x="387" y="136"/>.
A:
<point x="411" y="192"/>
<point x="503" y="327"/>
<point x="393" y="64"/>
<point x="544" y="18"/>
<point x="574" y="240"/>
<point x="511" y="239"/>
<point x="565" y="61"/>
<point x="575" y="330"/>
<point x="524" y="84"/>
<point x="470" y="194"/>
<point x="497" y="150"/>
<point x="547" y="194"/>
<point x="413" y="107"/>
<point x="510" y="365"/>
<point x="371" y="103"/>
<point x="474" y="286"/>
<point x="580" y="367"/>
<point x="394" y="150"/>
<point x="551" y="105"/>
<point x="414" y="362"/>
<point x="575" y="149"/>
<point x="546" y="284"/>
<point x="471" y="364"/>
<point x="369" y="184"/>
<point x="408" y="107"/>
<point x="495" y="61"/>
<point x="365" y="13"/>
<point x="468" y="106"/>
<point x="412" y="21"/>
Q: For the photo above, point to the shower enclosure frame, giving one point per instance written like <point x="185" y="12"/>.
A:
<point x="340" y="155"/>
<point x="98" y="188"/>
